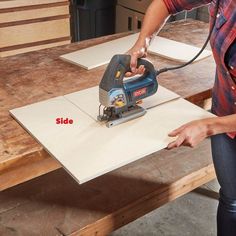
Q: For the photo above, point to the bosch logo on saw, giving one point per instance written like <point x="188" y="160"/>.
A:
<point x="140" y="92"/>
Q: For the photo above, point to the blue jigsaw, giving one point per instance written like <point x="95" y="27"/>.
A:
<point x="119" y="97"/>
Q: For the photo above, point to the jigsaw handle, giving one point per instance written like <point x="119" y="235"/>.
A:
<point x="117" y="68"/>
<point x="149" y="68"/>
<point x="115" y="92"/>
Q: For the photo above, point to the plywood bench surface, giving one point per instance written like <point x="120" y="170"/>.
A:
<point x="57" y="205"/>
<point x="37" y="76"/>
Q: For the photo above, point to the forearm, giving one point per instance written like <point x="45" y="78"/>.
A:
<point x="218" y="125"/>
<point x="155" y="17"/>
<point x="157" y="13"/>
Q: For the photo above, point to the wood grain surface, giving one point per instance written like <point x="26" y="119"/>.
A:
<point x="36" y="76"/>
<point x="15" y="16"/>
<point x="33" y="25"/>
<point x="34" y="32"/>
<point x="29" y="47"/>
<point x="6" y="4"/>
<point x="57" y="205"/>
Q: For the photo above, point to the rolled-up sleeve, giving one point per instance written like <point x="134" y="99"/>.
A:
<point x="175" y="6"/>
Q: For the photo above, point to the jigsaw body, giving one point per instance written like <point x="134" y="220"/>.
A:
<point x="119" y="97"/>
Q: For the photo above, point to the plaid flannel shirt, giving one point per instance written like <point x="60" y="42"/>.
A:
<point x="223" y="43"/>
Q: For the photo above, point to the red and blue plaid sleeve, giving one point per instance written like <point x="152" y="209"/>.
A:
<point x="175" y="6"/>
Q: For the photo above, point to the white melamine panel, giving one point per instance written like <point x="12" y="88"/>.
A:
<point x="90" y="104"/>
<point x="101" y="54"/>
<point x="174" y="50"/>
<point x="88" y="149"/>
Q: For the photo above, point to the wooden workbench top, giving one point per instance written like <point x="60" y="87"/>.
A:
<point x="36" y="76"/>
<point x="54" y="204"/>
